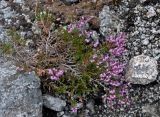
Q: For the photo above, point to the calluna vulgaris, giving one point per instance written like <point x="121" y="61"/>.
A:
<point x="108" y="61"/>
<point x="117" y="87"/>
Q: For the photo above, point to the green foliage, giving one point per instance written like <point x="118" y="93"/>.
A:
<point x="45" y="20"/>
<point x="7" y="48"/>
<point x="15" y="41"/>
<point x="77" y="87"/>
<point x="16" y="38"/>
<point x="44" y="16"/>
<point x="81" y="86"/>
<point x="81" y="51"/>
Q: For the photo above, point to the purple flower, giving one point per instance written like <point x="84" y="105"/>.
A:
<point x="54" y="78"/>
<point x="87" y="40"/>
<point x="122" y="102"/>
<point x="94" y="57"/>
<point x="103" y="75"/>
<point x="55" y="73"/>
<point x="112" y="91"/>
<point x="105" y="58"/>
<point x="96" y="43"/>
<point x="88" y="34"/>
<point x="116" y="67"/>
<point x="50" y="71"/>
<point x="29" y="72"/>
<point x="115" y="83"/>
<point x="60" y="73"/>
<point x="117" y="51"/>
<point x="106" y="79"/>
<point x="70" y="28"/>
<point x="110" y="39"/>
<point x="111" y="97"/>
<point x="74" y="109"/>
<point x="118" y="41"/>
<point x="19" y="69"/>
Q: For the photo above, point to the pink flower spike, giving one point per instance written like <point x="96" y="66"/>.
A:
<point x="87" y="40"/>
<point x="88" y="34"/>
<point x="107" y="80"/>
<point x="115" y="83"/>
<point x="74" y="109"/>
<point x="50" y="71"/>
<point x="105" y="58"/>
<point x="112" y="91"/>
<point x="103" y="75"/>
<point x="96" y="43"/>
<point x="121" y="102"/>
<point x="94" y="56"/>
<point x="17" y="68"/>
<point x="29" y="72"/>
<point x="112" y="96"/>
<point x="60" y="73"/>
<point x="108" y="98"/>
<point x="54" y="78"/>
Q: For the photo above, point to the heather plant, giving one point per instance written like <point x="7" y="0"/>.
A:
<point x="76" y="87"/>
<point x="73" y="64"/>
<point x="105" y="57"/>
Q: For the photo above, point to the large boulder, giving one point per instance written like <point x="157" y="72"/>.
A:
<point x="20" y="95"/>
<point x="142" y="70"/>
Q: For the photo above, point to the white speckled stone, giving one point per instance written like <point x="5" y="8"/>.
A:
<point x="151" y="12"/>
<point x="142" y="70"/>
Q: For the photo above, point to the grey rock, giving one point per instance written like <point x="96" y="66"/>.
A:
<point x="69" y="1"/>
<point x="79" y="105"/>
<point x="36" y="29"/>
<point x="142" y="70"/>
<point x="151" y="12"/>
<point x="20" y="93"/>
<point x="145" y="42"/>
<point x="158" y="10"/>
<point x="19" y="1"/>
<point x="53" y="103"/>
<point x="3" y="37"/>
<point x="66" y="116"/>
<point x="108" y="22"/>
<point x="154" y="31"/>
<point x="6" y="11"/>
<point x="153" y="109"/>
<point x="90" y="106"/>
<point x="60" y="114"/>
<point x="142" y="1"/>
<point x="95" y="35"/>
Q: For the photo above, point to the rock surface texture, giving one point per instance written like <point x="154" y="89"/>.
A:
<point x="108" y="22"/>
<point x="153" y="109"/>
<point x="142" y="70"/>
<point x="53" y="103"/>
<point x="20" y="95"/>
<point x="69" y="1"/>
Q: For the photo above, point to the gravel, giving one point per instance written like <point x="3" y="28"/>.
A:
<point x="140" y="20"/>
